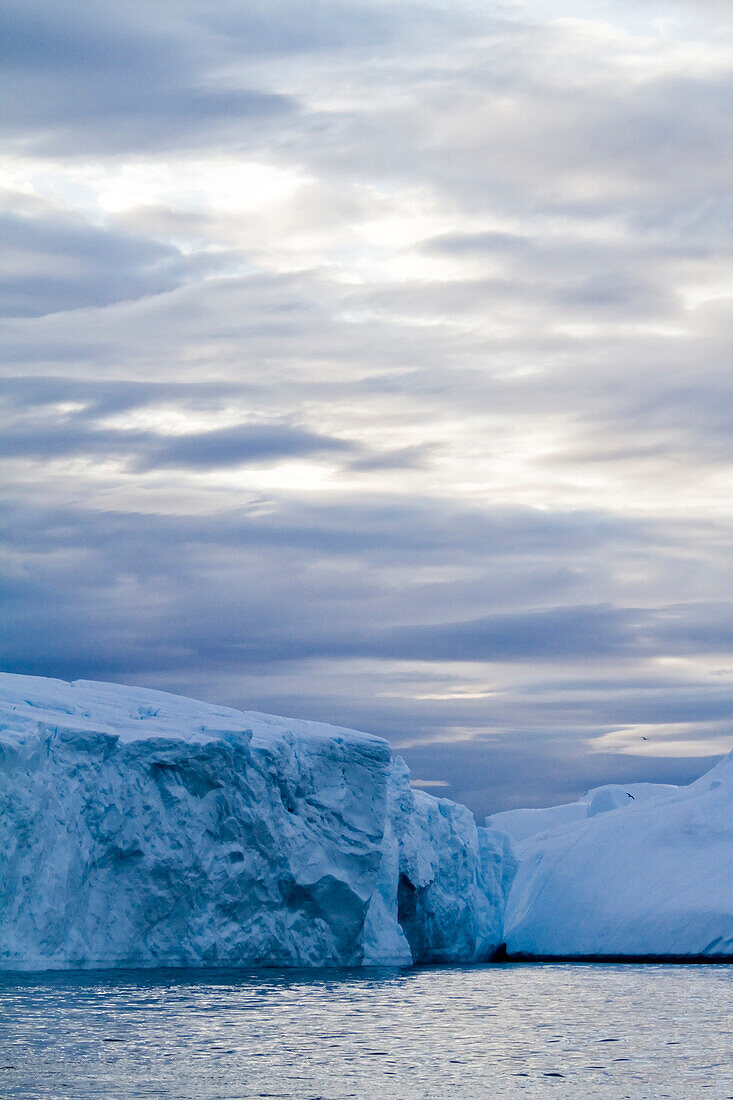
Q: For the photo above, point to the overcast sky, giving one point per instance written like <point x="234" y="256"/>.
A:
<point x="371" y="362"/>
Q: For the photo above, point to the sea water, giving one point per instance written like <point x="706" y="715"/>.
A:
<point x="564" y="1030"/>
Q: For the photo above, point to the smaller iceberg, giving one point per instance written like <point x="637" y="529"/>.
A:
<point x="638" y="871"/>
<point x="521" y="824"/>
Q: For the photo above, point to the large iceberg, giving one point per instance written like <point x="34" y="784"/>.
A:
<point x="639" y="871"/>
<point x="144" y="829"/>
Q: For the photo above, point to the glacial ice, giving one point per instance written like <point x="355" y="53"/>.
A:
<point x="144" y="829"/>
<point x="521" y="824"/>
<point x="648" y="876"/>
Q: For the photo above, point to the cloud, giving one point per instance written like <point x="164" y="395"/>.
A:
<point x="555" y="634"/>
<point x="279" y="29"/>
<point x="297" y="610"/>
<point x="242" y="444"/>
<point x="398" y="458"/>
<point x="94" y="399"/>
<point x="56" y="261"/>
<point x="374" y="366"/>
<point x="282" y="583"/>
<point x="93" y="83"/>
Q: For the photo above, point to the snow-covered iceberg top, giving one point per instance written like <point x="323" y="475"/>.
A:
<point x="134" y="714"/>
<point x="521" y="824"/>
<point x="639" y="871"/>
<point x="139" y="828"/>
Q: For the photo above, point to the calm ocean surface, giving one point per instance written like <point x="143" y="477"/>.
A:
<point x="510" y="1030"/>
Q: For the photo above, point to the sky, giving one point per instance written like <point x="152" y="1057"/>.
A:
<point x="370" y="362"/>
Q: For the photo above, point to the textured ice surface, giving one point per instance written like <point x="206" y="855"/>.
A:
<point x="652" y="875"/>
<point x="144" y="829"/>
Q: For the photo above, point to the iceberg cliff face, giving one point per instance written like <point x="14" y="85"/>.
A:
<point x="143" y="829"/>
<point x="647" y="876"/>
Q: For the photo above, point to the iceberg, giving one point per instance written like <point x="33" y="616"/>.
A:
<point x="521" y="824"/>
<point x="642" y="871"/>
<point x="141" y="829"/>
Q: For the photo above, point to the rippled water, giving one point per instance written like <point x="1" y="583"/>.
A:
<point x="495" y="1031"/>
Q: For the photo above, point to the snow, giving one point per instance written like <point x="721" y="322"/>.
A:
<point x="521" y="824"/>
<point x="648" y="876"/>
<point x="139" y="828"/>
<point x="83" y="704"/>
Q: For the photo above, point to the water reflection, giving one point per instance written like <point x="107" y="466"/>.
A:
<point x="509" y="1030"/>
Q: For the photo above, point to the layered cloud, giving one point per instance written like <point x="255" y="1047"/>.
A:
<point x="375" y="366"/>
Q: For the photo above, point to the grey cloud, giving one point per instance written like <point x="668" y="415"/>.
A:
<point x="280" y="29"/>
<point x="549" y="136"/>
<point x="56" y="262"/>
<point x="486" y="243"/>
<point x="625" y="700"/>
<point x="587" y="275"/>
<point x="309" y="544"/>
<point x="236" y="446"/>
<point x="57" y="35"/>
<point x="86" y="80"/>
<point x="708" y="629"/>
<point x="670" y="409"/>
<point x="554" y="634"/>
<point x="619" y="291"/>
<point x="601" y="293"/>
<point x="399" y="531"/>
<point x="279" y="591"/>
<point x="170" y="77"/>
<point x="99" y="398"/>
<point x="66" y="439"/>
<point x="241" y="444"/>
<point x="400" y="458"/>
